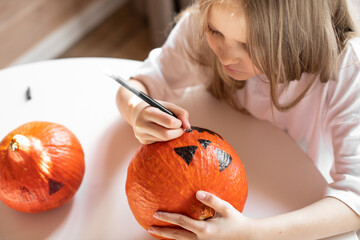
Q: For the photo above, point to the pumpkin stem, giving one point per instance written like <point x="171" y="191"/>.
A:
<point x="17" y="141"/>
<point x="14" y="145"/>
<point x="206" y="212"/>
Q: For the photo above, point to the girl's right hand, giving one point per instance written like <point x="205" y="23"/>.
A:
<point x="152" y="125"/>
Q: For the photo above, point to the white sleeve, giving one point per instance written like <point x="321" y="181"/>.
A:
<point x="343" y="124"/>
<point x="169" y="70"/>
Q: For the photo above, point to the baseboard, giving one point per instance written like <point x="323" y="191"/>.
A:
<point x="72" y="31"/>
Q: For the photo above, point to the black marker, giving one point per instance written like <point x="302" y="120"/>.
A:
<point x="28" y="94"/>
<point x="141" y="95"/>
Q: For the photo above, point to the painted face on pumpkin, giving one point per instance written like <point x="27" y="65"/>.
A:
<point x="165" y="176"/>
<point x="187" y="152"/>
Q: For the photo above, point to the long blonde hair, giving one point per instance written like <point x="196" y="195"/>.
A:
<point x="284" y="39"/>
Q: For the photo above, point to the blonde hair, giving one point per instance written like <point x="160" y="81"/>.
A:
<point x="284" y="40"/>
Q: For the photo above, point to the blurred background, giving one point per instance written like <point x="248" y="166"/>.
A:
<point x="35" y="30"/>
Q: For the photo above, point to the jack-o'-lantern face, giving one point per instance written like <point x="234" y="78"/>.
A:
<point x="187" y="152"/>
<point x="165" y="176"/>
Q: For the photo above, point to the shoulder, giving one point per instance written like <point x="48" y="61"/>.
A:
<point x="188" y="24"/>
<point x="350" y="57"/>
<point x="343" y="94"/>
<point x="187" y="38"/>
<point x="354" y="45"/>
<point x="349" y="65"/>
<point x="348" y="71"/>
<point x="190" y="15"/>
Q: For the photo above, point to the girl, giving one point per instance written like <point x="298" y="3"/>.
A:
<point x="294" y="63"/>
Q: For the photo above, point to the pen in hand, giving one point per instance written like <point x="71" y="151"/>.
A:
<point x="141" y="94"/>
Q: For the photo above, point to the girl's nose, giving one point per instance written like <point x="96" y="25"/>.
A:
<point x="227" y="55"/>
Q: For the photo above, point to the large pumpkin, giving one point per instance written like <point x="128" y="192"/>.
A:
<point x="41" y="167"/>
<point x="164" y="176"/>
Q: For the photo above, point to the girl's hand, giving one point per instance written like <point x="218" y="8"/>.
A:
<point x="151" y="124"/>
<point x="227" y="223"/>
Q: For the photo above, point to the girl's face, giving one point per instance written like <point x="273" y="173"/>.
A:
<point x="226" y="35"/>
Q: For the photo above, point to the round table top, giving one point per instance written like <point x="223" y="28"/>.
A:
<point x="77" y="94"/>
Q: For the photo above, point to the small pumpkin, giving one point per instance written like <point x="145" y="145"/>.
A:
<point x="41" y="167"/>
<point x="165" y="176"/>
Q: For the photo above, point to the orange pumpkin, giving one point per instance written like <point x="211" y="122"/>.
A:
<point x="41" y="167"/>
<point x="165" y="176"/>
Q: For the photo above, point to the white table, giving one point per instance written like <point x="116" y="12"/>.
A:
<point x="75" y="93"/>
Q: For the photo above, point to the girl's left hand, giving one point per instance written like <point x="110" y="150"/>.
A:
<point x="227" y="223"/>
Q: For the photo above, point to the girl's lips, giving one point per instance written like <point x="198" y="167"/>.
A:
<point x="229" y="68"/>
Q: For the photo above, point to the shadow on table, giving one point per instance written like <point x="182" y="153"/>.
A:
<point x="119" y="149"/>
<point x="106" y="197"/>
<point x="34" y="226"/>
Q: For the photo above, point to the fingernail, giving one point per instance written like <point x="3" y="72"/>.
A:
<point x="200" y="195"/>
<point x="156" y="215"/>
<point x="186" y="124"/>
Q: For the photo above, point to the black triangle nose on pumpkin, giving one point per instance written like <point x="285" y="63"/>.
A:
<point x="186" y="153"/>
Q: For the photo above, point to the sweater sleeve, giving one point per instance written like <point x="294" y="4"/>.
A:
<point x="343" y="126"/>
<point x="169" y="70"/>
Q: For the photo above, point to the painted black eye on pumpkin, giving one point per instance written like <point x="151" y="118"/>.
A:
<point x="54" y="186"/>
<point x="204" y="143"/>
<point x="223" y="158"/>
<point x="186" y="153"/>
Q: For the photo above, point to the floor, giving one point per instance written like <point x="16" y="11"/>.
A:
<point x="123" y="35"/>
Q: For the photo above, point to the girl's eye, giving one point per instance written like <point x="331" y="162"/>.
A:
<point x="218" y="34"/>
<point x="243" y="45"/>
<point x="212" y="31"/>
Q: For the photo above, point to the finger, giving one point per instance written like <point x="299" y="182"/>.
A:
<point x="173" y="233"/>
<point x="185" y="122"/>
<point x="143" y="137"/>
<point x="182" y="221"/>
<point x="154" y="133"/>
<point x="146" y="139"/>
<point x="163" y="119"/>
<point x="181" y="113"/>
<point x="163" y="134"/>
<point x="220" y="206"/>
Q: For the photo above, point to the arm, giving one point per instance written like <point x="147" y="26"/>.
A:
<point x="127" y="102"/>
<point x="327" y="217"/>
<point x="339" y="211"/>
<point x="166" y="73"/>
<point x="149" y="123"/>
